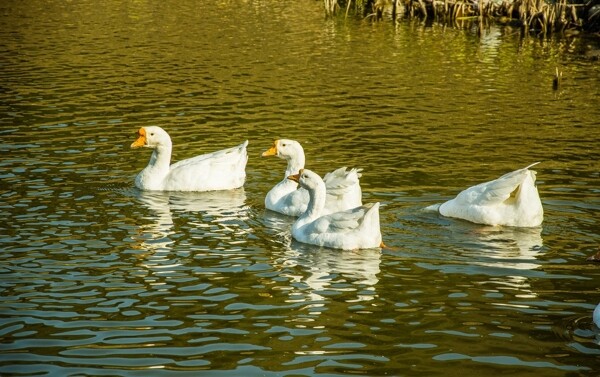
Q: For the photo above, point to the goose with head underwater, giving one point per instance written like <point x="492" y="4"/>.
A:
<point x="343" y="189"/>
<point x="356" y="228"/>
<point x="221" y="170"/>
<point x="511" y="200"/>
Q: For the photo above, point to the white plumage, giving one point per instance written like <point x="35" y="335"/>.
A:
<point x="511" y="200"/>
<point x="220" y="170"/>
<point x="356" y="228"/>
<point x="342" y="185"/>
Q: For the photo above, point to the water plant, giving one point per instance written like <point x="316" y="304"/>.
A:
<point x="536" y="16"/>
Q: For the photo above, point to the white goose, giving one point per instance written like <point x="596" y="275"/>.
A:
<point x="343" y="186"/>
<point x="511" y="200"/>
<point x="220" y="170"/>
<point x="356" y="228"/>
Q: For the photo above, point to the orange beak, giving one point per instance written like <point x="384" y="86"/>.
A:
<point x="141" y="140"/>
<point x="271" y="151"/>
<point x="295" y="177"/>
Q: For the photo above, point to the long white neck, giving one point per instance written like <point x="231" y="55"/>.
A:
<point x="161" y="158"/>
<point x="153" y="175"/>
<point x="316" y="204"/>
<point x="294" y="164"/>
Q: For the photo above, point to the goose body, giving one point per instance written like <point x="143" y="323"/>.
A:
<point x="343" y="189"/>
<point x="511" y="200"/>
<point x="356" y="228"/>
<point x="221" y="170"/>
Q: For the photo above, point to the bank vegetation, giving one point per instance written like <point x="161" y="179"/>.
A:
<point x="533" y="16"/>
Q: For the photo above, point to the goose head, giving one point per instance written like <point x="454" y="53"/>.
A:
<point x="151" y="137"/>
<point x="307" y="179"/>
<point x="285" y="149"/>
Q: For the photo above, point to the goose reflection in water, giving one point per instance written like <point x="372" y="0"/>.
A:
<point x="208" y="213"/>
<point x="513" y="253"/>
<point x="514" y="248"/>
<point x="315" y="274"/>
<point x="358" y="269"/>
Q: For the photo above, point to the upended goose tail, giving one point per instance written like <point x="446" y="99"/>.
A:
<point x="511" y="200"/>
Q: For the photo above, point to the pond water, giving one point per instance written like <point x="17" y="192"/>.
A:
<point x="99" y="278"/>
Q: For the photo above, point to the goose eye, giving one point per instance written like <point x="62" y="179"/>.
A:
<point x="283" y="145"/>
<point x="151" y="133"/>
